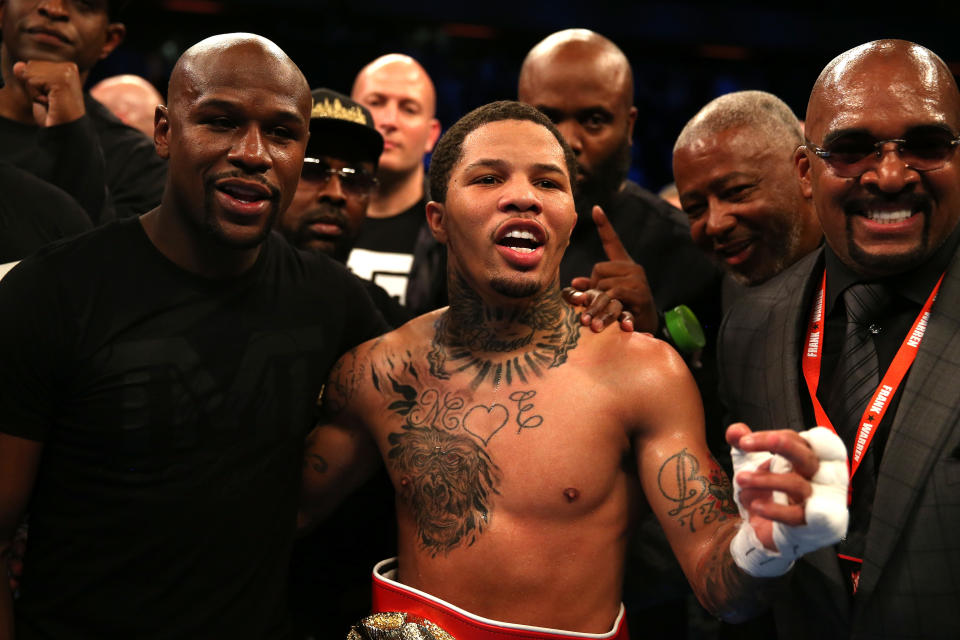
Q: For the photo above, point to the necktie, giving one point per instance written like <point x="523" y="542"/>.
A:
<point x="858" y="372"/>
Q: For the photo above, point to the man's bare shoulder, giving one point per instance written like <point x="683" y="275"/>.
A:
<point x="350" y="379"/>
<point x="646" y="374"/>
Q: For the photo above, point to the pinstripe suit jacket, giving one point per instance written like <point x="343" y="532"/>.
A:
<point x="910" y="581"/>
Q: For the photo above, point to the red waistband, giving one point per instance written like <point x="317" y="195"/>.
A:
<point x="389" y="595"/>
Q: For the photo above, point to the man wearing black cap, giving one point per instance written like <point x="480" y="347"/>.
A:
<point x="338" y="179"/>
<point x="50" y="127"/>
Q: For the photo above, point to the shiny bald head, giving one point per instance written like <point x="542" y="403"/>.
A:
<point x="889" y="217"/>
<point x="588" y="50"/>
<point x="902" y="67"/>
<point x="583" y="83"/>
<point x="252" y="58"/>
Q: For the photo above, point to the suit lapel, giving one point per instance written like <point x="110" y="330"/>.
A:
<point x="782" y="351"/>
<point x="919" y="429"/>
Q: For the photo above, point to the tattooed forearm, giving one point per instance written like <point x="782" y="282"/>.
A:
<point x="725" y="590"/>
<point x="700" y="497"/>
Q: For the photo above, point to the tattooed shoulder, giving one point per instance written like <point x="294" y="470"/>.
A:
<point x="344" y="382"/>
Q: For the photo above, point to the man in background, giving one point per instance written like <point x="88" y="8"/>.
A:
<point x="402" y="99"/>
<point x="131" y="98"/>
<point x="50" y="127"/>
<point x="733" y="163"/>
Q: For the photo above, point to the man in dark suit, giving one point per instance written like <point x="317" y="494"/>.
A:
<point x="858" y="335"/>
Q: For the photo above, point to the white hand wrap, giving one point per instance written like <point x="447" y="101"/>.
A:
<point x="825" y="511"/>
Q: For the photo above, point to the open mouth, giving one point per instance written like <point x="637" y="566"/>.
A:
<point x="520" y="240"/>
<point x="244" y="191"/>
<point x="243" y="197"/>
<point x="889" y="217"/>
<point x="889" y="213"/>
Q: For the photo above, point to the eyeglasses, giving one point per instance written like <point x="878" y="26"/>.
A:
<point x="852" y="155"/>
<point x="356" y="182"/>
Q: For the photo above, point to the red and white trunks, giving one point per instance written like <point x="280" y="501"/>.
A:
<point x="390" y="595"/>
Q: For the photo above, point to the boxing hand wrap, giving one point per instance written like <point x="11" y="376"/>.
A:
<point x="825" y="510"/>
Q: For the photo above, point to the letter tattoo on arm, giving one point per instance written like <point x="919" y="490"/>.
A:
<point x="700" y="499"/>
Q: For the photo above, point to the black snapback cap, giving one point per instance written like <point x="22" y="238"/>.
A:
<point x="342" y="128"/>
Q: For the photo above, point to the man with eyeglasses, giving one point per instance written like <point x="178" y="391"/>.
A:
<point x="863" y="336"/>
<point x="336" y="185"/>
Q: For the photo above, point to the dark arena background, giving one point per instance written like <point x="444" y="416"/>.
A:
<point x="683" y="53"/>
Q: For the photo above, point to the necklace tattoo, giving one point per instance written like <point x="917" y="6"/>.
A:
<point x="470" y="335"/>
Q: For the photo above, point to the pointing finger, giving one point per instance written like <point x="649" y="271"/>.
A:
<point x="608" y="236"/>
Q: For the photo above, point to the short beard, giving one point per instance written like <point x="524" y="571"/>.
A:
<point x="515" y="288"/>
<point x="787" y="242"/>
<point x="604" y="181"/>
<point x="885" y="265"/>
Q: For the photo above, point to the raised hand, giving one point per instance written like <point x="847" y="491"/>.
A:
<point x="791" y="489"/>
<point x="55" y="89"/>
<point x="617" y="289"/>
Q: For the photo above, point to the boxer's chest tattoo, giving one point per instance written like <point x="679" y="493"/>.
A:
<point x="700" y="495"/>
<point x="446" y="475"/>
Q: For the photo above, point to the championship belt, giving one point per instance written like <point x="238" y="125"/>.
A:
<point x="397" y="626"/>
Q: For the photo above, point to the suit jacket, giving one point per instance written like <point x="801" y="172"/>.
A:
<point x="910" y="580"/>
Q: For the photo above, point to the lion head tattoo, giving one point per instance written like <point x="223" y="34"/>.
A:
<point x="447" y="479"/>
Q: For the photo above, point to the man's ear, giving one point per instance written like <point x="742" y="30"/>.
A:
<point x="631" y="120"/>
<point x="161" y="131"/>
<point x="434" y="135"/>
<point x="435" y="213"/>
<point x="116" y="32"/>
<point x="802" y="163"/>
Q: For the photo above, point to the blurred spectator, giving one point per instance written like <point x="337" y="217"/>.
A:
<point x="131" y="98"/>
<point x="51" y="128"/>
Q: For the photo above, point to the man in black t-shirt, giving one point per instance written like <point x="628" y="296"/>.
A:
<point x="50" y="127"/>
<point x="160" y="374"/>
<point x="401" y="97"/>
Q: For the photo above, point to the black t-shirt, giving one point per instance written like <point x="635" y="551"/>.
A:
<point x="383" y="252"/>
<point x="34" y="213"/>
<point x="110" y="169"/>
<point x="173" y="410"/>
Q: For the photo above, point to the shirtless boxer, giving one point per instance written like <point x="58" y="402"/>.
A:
<point x="520" y="443"/>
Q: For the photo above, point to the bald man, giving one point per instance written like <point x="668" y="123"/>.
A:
<point x="583" y="82"/>
<point x="161" y="374"/>
<point x="859" y="336"/>
<point x="733" y="163"/>
<point x="402" y="99"/>
<point x="131" y="98"/>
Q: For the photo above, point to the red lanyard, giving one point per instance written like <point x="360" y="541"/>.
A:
<point x="877" y="406"/>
